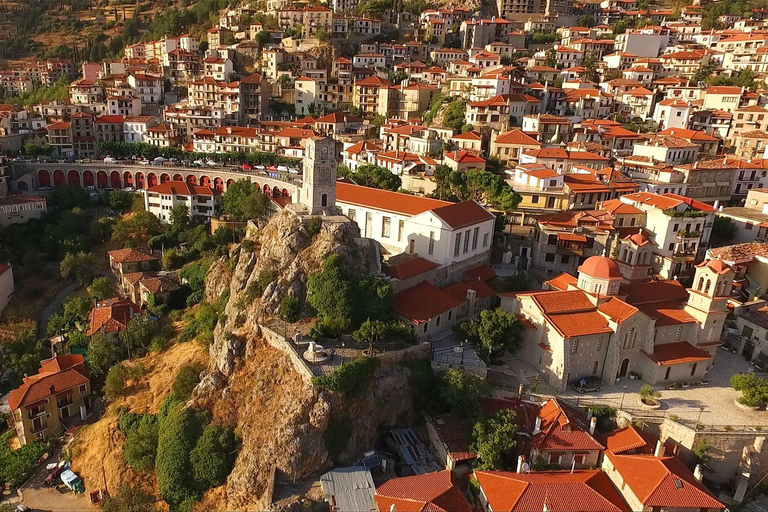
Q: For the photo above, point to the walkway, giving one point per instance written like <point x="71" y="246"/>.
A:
<point x="54" y="306"/>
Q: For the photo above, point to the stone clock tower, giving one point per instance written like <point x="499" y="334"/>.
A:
<point x="318" y="191"/>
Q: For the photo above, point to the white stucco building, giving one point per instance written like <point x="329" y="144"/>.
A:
<point x="201" y="202"/>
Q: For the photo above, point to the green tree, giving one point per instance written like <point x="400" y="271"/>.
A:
<point x="186" y="379"/>
<point x="550" y="58"/>
<point x="453" y="116"/>
<point x="290" y="309"/>
<point x="460" y="393"/>
<point x="67" y="197"/>
<point x="120" y="200"/>
<point x="213" y="457"/>
<point x="243" y="201"/>
<point x="140" y="448"/>
<point x="137" y="334"/>
<point x="376" y="177"/>
<point x="179" y="218"/>
<point x="103" y="353"/>
<point x="128" y="499"/>
<point x="136" y="230"/>
<point x="80" y="267"/>
<point x="586" y="21"/>
<point x="494" y="332"/>
<point x="178" y="434"/>
<point x="754" y="390"/>
<point x="115" y="382"/>
<point x="370" y="331"/>
<point x="724" y="230"/>
<point x="493" y="440"/>
<point x="22" y="356"/>
<point x="101" y="288"/>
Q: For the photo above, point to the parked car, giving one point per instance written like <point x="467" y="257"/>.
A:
<point x="143" y="162"/>
<point x="590" y="383"/>
<point x="110" y="160"/>
<point x="72" y="481"/>
<point x="293" y="171"/>
<point x="90" y="188"/>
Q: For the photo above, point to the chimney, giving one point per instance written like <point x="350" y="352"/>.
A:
<point x="716" y="205"/>
<point x="52" y="389"/>
<point x="537" y="426"/>
<point x="759" y="442"/>
<point x="520" y="462"/>
<point x="698" y="474"/>
<point x="659" y="449"/>
<point x="592" y="425"/>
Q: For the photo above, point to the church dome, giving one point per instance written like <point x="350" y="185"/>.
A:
<point x="601" y="267"/>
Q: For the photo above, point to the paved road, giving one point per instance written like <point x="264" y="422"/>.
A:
<point x="54" y="306"/>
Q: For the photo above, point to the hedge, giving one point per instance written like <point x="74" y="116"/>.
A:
<point x="212" y="458"/>
<point x="179" y="433"/>
<point x="140" y="448"/>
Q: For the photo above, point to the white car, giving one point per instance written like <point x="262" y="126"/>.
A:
<point x="282" y="168"/>
<point x="110" y="160"/>
<point x="293" y="171"/>
<point x="211" y="163"/>
<point x="143" y="162"/>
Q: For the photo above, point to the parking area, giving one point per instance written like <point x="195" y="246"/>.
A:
<point x="711" y="404"/>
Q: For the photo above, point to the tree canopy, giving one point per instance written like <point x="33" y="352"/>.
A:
<point x="493" y="440"/>
<point x="243" y="200"/>
<point x="482" y="186"/>
<point x="494" y="332"/>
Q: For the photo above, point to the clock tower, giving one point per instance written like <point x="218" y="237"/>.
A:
<point x="318" y="190"/>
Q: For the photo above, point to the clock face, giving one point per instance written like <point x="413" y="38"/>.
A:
<point x="324" y="152"/>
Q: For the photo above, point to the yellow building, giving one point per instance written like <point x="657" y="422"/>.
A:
<point x="48" y="403"/>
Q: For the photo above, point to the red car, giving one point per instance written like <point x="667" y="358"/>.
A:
<point x="246" y="167"/>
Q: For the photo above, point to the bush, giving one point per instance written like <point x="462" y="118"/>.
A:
<point x="115" y="382"/>
<point x="649" y="394"/>
<point x="140" y="448"/>
<point x="290" y="309"/>
<point x="212" y="459"/>
<point x="314" y="225"/>
<point x="337" y="436"/>
<point x="178" y="435"/>
<point x="754" y="390"/>
<point x="350" y="378"/>
<point x="15" y="466"/>
<point x="157" y="344"/>
<point x="127" y="499"/>
<point x="493" y="440"/>
<point x="185" y="381"/>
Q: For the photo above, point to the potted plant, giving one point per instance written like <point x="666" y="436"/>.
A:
<point x="649" y="397"/>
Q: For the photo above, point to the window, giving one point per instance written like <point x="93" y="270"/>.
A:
<point x="466" y="241"/>
<point x="671" y="246"/>
<point x="437" y="321"/>
<point x="579" y="458"/>
<point x="475" y="233"/>
<point x="676" y="228"/>
<point x="534" y="199"/>
<point x="599" y="342"/>
<point x="549" y="257"/>
<point x="400" y="228"/>
<point x="575" y="346"/>
<point x="748" y="226"/>
<point x="485" y="240"/>
<point x="450" y="314"/>
<point x="594" y="367"/>
<point x="678" y="333"/>
<point x="632" y="221"/>
<point x="385" y="224"/>
<point x="431" y="242"/>
<point x="564" y="259"/>
<point x="457" y="246"/>
<point x="552" y="240"/>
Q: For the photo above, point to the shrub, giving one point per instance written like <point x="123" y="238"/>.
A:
<point x="185" y="381"/>
<point x="290" y="308"/>
<point x="314" y="225"/>
<point x="649" y="394"/>
<point x="493" y="440"/>
<point x="213" y="458"/>
<point x="140" y="448"/>
<point x="195" y="297"/>
<point x="337" y="436"/>
<point x="351" y="377"/>
<point x="167" y="406"/>
<point x="330" y="327"/>
<point x="157" y="344"/>
<point x="175" y="315"/>
<point x="127" y="499"/>
<point x="16" y="465"/>
<point x="115" y="382"/>
<point x="178" y="435"/>
<point x="128" y="421"/>
<point x="754" y="390"/>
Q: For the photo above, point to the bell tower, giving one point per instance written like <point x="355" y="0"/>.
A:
<point x="708" y="298"/>
<point x="318" y="190"/>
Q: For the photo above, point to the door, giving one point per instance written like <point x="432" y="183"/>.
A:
<point x="551" y="202"/>
<point x="368" y="224"/>
<point x="693" y="369"/>
<point x="624" y="367"/>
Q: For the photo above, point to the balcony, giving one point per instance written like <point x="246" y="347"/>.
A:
<point x="40" y="428"/>
<point x="64" y="402"/>
<point x="35" y="414"/>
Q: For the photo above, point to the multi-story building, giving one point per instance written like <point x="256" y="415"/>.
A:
<point x="201" y="202"/>
<point x="52" y="400"/>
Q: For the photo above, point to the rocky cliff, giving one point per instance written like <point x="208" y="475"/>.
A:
<point x="253" y="387"/>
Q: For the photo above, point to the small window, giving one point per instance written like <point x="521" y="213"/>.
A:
<point x="485" y="240"/>
<point x="431" y="242"/>
<point x="575" y="346"/>
<point x="748" y="226"/>
<point x="437" y="321"/>
<point x="535" y="199"/>
<point x="594" y="367"/>
<point x="549" y="257"/>
<point x="385" y="226"/>
<point x="457" y="245"/>
<point x="564" y="259"/>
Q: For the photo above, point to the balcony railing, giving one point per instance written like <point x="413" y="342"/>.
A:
<point x="65" y="402"/>
<point x="32" y="415"/>
<point x="40" y="428"/>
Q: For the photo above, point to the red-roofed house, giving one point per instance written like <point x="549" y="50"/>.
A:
<point x="650" y="483"/>
<point x="430" y="492"/>
<point x="562" y="436"/>
<point x="52" y="400"/>
<point x="110" y="316"/>
<point x="202" y="202"/>
<point x="554" y="491"/>
<point x="428" y="308"/>
<point x="464" y="161"/>
<point x="509" y="145"/>
<point x="442" y="232"/>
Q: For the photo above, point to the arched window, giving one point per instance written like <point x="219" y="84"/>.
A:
<point x="624" y="255"/>
<point x="706" y="288"/>
<point x="324" y="200"/>
<point x="629" y="338"/>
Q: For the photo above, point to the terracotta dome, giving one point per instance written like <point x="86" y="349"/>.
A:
<point x="638" y="239"/>
<point x="717" y="265"/>
<point x="601" y="267"/>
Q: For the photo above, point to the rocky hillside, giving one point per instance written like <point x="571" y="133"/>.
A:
<point x="253" y="387"/>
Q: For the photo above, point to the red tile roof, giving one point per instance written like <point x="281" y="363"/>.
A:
<point x="466" y="213"/>
<point x="410" y="268"/>
<point x="480" y="273"/>
<point x="453" y="433"/>
<point x="679" y="352"/>
<point x="617" y="310"/>
<point x="653" y="291"/>
<point x="663" y="482"/>
<point x="562" y="281"/>
<point x="667" y="313"/>
<point x="423" y="302"/>
<point x="563" y="429"/>
<point x="459" y="289"/>
<point x="385" y="200"/>
<point x="54" y="376"/>
<point x="430" y="492"/>
<point x="110" y="315"/>
<point x="628" y="439"/>
<point x="561" y="302"/>
<point x="130" y="255"/>
<point x="554" y="491"/>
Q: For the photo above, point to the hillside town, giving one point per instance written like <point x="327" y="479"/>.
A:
<point x="370" y="255"/>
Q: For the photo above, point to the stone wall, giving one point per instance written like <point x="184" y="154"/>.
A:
<point x="420" y="351"/>
<point x="286" y="347"/>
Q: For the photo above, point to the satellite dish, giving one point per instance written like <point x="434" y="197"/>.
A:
<point x="526" y="467"/>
